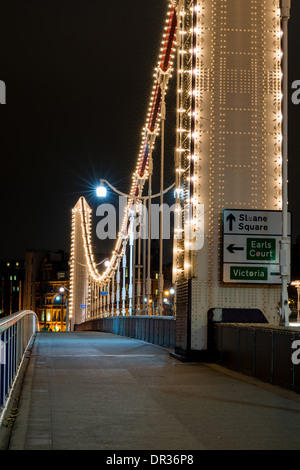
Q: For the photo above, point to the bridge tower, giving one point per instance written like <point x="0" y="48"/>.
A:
<point x="79" y="269"/>
<point x="228" y="154"/>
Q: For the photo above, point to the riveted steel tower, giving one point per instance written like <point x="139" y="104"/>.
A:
<point x="228" y="162"/>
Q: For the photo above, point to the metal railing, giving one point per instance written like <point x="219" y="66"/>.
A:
<point x="16" y="332"/>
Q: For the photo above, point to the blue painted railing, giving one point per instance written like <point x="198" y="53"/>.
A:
<point x="16" y="332"/>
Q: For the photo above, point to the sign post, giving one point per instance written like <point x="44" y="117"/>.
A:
<point x="251" y="246"/>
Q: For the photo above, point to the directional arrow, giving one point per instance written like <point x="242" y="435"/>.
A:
<point x="231" y="219"/>
<point x="231" y="248"/>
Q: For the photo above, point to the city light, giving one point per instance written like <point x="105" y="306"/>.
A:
<point x="101" y="190"/>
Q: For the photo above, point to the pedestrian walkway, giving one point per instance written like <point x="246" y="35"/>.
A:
<point x="88" y="391"/>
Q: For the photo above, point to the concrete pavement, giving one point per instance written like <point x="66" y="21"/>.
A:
<point x="98" y="391"/>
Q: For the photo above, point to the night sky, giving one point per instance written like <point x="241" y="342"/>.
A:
<point x="78" y="77"/>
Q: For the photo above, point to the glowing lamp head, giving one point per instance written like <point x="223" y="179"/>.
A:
<point x="101" y="190"/>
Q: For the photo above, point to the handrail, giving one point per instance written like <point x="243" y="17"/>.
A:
<point x="16" y="332"/>
<point x="7" y="322"/>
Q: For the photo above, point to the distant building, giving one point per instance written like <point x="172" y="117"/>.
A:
<point x="45" y="274"/>
<point x="33" y="261"/>
<point x="11" y="287"/>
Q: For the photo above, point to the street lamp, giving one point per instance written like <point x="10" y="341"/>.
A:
<point x="101" y="193"/>
<point x="62" y="290"/>
<point x="101" y="190"/>
<point x="161" y="276"/>
<point x="58" y="298"/>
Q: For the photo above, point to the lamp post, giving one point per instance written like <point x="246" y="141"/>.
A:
<point x="138" y="289"/>
<point x="118" y="285"/>
<point x="62" y="289"/>
<point x="58" y="298"/>
<point x="285" y="6"/>
<point x="172" y="293"/>
<point x="148" y="281"/>
<point x="124" y="278"/>
<point x="161" y="276"/>
<point x="131" y="243"/>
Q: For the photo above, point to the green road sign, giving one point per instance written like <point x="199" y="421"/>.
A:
<point x="262" y="249"/>
<point x="245" y="273"/>
<point x="251" y="246"/>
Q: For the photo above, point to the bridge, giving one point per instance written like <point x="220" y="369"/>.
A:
<point x="133" y="395"/>
<point x="231" y="230"/>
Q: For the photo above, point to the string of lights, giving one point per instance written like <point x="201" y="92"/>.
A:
<point x="229" y="123"/>
<point x="151" y="130"/>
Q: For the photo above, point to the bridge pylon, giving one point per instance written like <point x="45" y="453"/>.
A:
<point x="228" y="157"/>
<point x="79" y="269"/>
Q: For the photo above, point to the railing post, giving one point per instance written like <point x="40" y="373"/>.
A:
<point x="104" y="299"/>
<point x="100" y="301"/>
<point x="108" y="297"/>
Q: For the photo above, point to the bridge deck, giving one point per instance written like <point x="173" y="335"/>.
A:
<point x="102" y="391"/>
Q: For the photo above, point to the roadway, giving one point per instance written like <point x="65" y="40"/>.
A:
<point x="98" y="391"/>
